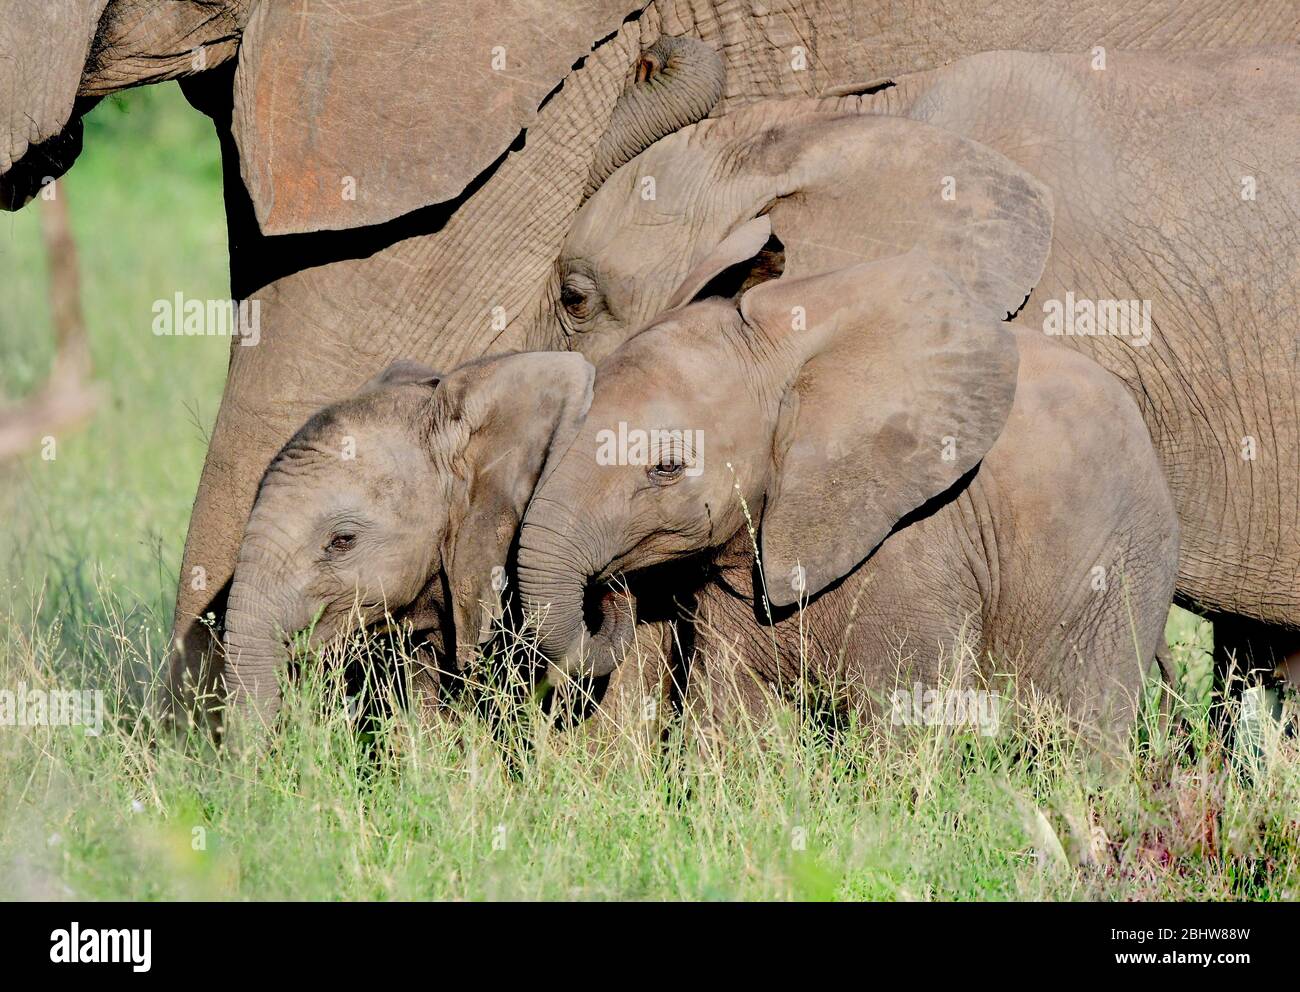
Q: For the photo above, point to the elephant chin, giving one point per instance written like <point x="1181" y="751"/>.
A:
<point x="594" y="654"/>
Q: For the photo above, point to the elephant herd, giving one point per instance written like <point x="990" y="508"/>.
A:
<point x="827" y="374"/>
<point x="884" y="344"/>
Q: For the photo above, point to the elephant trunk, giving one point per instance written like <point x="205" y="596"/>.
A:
<point x="551" y="586"/>
<point x="553" y="582"/>
<point x="606" y="648"/>
<point x="677" y="82"/>
<point x="257" y="623"/>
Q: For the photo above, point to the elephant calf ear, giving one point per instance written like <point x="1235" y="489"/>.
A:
<point x="901" y="385"/>
<point x="870" y="188"/>
<point x="520" y="413"/>
<point x="740" y="245"/>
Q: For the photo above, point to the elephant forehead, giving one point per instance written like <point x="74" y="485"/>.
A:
<point x="340" y="448"/>
<point x="653" y="192"/>
<point x="341" y="492"/>
<point x="650" y="396"/>
<point x="667" y="379"/>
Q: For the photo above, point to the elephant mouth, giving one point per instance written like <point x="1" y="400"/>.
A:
<point x="609" y="616"/>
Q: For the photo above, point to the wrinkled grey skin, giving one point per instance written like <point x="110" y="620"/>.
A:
<point x="400" y="502"/>
<point x="1132" y="182"/>
<point x="58" y="59"/>
<point x="903" y="412"/>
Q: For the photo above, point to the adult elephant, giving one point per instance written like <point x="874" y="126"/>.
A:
<point x="399" y="180"/>
<point x="1142" y="207"/>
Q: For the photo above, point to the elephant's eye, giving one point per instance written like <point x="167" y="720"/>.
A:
<point x="574" y="301"/>
<point x="580" y="298"/>
<point x="340" y="543"/>
<point x="664" y="472"/>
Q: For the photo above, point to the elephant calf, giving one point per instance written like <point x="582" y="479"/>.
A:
<point x="401" y="501"/>
<point x="925" y="476"/>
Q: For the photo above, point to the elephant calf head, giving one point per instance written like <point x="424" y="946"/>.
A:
<point x="404" y="498"/>
<point x="825" y="409"/>
<point x="788" y="187"/>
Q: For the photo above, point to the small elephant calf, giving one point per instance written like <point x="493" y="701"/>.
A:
<point x="923" y="483"/>
<point x="402" y="501"/>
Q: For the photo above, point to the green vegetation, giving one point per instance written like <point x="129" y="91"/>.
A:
<point x="147" y="214"/>
<point x="396" y="810"/>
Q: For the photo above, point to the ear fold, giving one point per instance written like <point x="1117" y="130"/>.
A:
<point x="43" y="51"/>
<point x="515" y="416"/>
<point x="402" y="372"/>
<point x="903" y="384"/>
<point x="743" y="243"/>
<point x="352" y="113"/>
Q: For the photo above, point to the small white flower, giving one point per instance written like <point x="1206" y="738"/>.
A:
<point x="137" y="806"/>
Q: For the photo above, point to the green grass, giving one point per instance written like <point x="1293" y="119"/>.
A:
<point x="337" y="808"/>
<point x="398" y="810"/>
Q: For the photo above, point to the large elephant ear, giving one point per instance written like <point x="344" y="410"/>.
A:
<point x="351" y="112"/>
<point x="903" y="382"/>
<point x="845" y="188"/>
<point x="508" y="419"/>
<point x="43" y="49"/>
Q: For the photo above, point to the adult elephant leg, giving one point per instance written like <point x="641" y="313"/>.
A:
<point x="272" y="388"/>
<point x="289" y="360"/>
<point x="1255" y="663"/>
<point x="310" y="339"/>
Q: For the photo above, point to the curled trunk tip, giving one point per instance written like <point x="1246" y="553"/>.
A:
<point x="676" y="82"/>
<point x="553" y="587"/>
